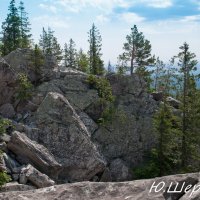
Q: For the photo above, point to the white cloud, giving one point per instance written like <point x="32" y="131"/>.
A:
<point x="104" y="5"/>
<point x="48" y="7"/>
<point x="131" y="18"/>
<point x="52" y="21"/>
<point x="158" y="3"/>
<point x="192" y="18"/>
<point x="102" y="19"/>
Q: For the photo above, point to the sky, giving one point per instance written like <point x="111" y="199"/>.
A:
<point x="167" y="24"/>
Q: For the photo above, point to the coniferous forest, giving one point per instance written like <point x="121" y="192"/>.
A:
<point x="176" y="122"/>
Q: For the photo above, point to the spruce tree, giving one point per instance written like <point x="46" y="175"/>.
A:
<point x="158" y="72"/>
<point x="96" y="63"/>
<point x="110" y="69"/>
<point x="187" y="64"/>
<point x="10" y="38"/>
<point x="167" y="129"/>
<point x="70" y="55"/>
<point x="49" y="44"/>
<point x="25" y="35"/>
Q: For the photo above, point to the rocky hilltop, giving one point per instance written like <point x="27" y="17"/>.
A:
<point x="55" y="136"/>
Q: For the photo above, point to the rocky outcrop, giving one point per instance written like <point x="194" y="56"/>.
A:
<point x="7" y="83"/>
<point x="67" y="138"/>
<point x="15" y="186"/>
<point x="129" y="135"/>
<point x="22" y="61"/>
<point x="173" y="102"/>
<point x="7" y="110"/>
<point x="62" y="116"/>
<point x="35" y="177"/>
<point x="28" y="151"/>
<point x="133" y="190"/>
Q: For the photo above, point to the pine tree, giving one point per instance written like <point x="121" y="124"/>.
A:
<point x="70" y="55"/>
<point x="137" y="51"/>
<point x="96" y="63"/>
<point x="83" y="61"/>
<point x="10" y="30"/>
<point x="25" y="36"/>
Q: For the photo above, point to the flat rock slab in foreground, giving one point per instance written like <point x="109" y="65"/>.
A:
<point x="133" y="190"/>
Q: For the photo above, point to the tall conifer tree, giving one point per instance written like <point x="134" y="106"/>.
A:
<point x="96" y="63"/>
<point x="10" y="38"/>
<point x="25" y="35"/>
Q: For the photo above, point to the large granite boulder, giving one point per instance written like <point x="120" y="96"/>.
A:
<point x="67" y="138"/>
<point x="163" y="188"/>
<point x="28" y="151"/>
<point x="130" y="134"/>
<point x="15" y="186"/>
<point x="7" y="110"/>
<point x="36" y="177"/>
<point x="22" y="61"/>
<point x="7" y="83"/>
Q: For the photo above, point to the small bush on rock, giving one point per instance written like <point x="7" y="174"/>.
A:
<point x="103" y="87"/>
<point x="4" y="123"/>
<point x="4" y="178"/>
<point x="25" y="87"/>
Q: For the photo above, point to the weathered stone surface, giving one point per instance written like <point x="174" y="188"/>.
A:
<point x="21" y="60"/>
<point x="119" y="171"/>
<point x="3" y="147"/>
<point x="2" y="164"/>
<point x="14" y="186"/>
<point x="11" y="164"/>
<point x="7" y="83"/>
<point x="88" y="122"/>
<point x="173" y="102"/>
<point x="130" y="134"/>
<point x="67" y="138"/>
<point x="28" y="151"/>
<point x="7" y="110"/>
<point x="132" y="190"/>
<point x="36" y="177"/>
<point x="5" y="138"/>
<point x="106" y="176"/>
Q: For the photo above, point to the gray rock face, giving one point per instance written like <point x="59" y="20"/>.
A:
<point x="36" y="178"/>
<point x="7" y="110"/>
<point x="129" y="135"/>
<point x="7" y="83"/>
<point x="14" y="186"/>
<point x="21" y="60"/>
<point x="67" y="138"/>
<point x="132" y="190"/>
<point x="28" y="151"/>
<point x="173" y="102"/>
<point x="119" y="171"/>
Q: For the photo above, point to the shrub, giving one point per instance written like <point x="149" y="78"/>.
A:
<point x="150" y="169"/>
<point x="25" y="87"/>
<point x="103" y="87"/>
<point x="4" y="178"/>
<point x="4" y="123"/>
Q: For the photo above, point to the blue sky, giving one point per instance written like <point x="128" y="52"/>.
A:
<point x="166" y="23"/>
